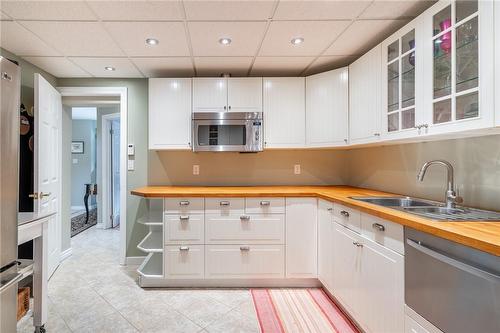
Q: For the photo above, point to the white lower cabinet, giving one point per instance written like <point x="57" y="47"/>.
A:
<point x="301" y="237"/>
<point x="244" y="261"/>
<point x="184" y="261"/>
<point x="369" y="281"/>
<point x="325" y="244"/>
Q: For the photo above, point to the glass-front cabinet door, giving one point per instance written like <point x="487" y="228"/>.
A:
<point x="459" y="51"/>
<point x="401" y="67"/>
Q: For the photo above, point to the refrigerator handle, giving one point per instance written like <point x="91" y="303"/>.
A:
<point x="7" y="284"/>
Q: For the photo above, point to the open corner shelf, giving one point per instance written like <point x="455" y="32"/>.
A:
<point x="152" y="243"/>
<point x="154" y="218"/>
<point x="152" y="267"/>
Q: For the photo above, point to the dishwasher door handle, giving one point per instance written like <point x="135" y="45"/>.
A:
<point x="441" y="256"/>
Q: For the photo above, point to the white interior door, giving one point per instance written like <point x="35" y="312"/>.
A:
<point x="115" y="171"/>
<point x="48" y="112"/>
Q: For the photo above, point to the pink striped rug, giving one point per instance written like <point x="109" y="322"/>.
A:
<point x="299" y="310"/>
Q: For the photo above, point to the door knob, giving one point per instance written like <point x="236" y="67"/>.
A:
<point x="42" y="195"/>
<point x="34" y="196"/>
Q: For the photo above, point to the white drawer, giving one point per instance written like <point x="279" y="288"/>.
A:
<point x="347" y="216"/>
<point x="184" y="205"/>
<point x="251" y="229"/>
<point x="182" y="229"/>
<point x="244" y="261"/>
<point x="225" y="206"/>
<point x="386" y="233"/>
<point x="265" y="205"/>
<point x="184" y="262"/>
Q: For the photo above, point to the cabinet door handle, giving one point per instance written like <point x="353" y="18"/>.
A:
<point x="377" y="134"/>
<point x="184" y="217"/>
<point x="245" y="248"/>
<point x="229" y="107"/>
<point x="378" y="226"/>
<point x="184" y="203"/>
<point x="344" y="213"/>
<point x="224" y="203"/>
<point x="330" y="209"/>
<point x="225" y="108"/>
<point x="358" y="244"/>
<point x="265" y="203"/>
<point x="245" y="217"/>
<point x="184" y="248"/>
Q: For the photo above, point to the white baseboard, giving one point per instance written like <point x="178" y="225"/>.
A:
<point x="65" y="254"/>
<point x="99" y="225"/>
<point x="134" y="261"/>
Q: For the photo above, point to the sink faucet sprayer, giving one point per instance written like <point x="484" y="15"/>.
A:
<point x="452" y="197"/>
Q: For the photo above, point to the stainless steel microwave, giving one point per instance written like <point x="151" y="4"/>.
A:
<point x="227" y="131"/>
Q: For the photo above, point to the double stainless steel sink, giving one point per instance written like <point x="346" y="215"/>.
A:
<point x="432" y="209"/>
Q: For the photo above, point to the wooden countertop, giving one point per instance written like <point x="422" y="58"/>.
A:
<point x="484" y="236"/>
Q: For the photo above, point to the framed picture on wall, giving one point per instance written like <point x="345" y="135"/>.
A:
<point x="77" y="147"/>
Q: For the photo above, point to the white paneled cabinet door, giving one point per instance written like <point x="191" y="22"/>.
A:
<point x="325" y="244"/>
<point x="284" y="112"/>
<point x="169" y="113"/>
<point x="365" y="98"/>
<point x="244" y="94"/>
<point x="459" y="55"/>
<point x="381" y="286"/>
<point x="209" y="94"/>
<point x="327" y="104"/>
<point x="301" y="237"/>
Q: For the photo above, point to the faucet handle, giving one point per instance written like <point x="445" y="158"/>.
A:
<point x="456" y="197"/>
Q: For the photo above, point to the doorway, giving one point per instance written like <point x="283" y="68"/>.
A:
<point x="111" y="170"/>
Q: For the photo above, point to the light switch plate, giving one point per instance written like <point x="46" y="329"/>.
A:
<point x="130" y="165"/>
<point x="196" y="169"/>
<point x="130" y="149"/>
<point x="296" y="169"/>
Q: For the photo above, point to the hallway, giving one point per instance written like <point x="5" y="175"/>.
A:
<point x="91" y="292"/>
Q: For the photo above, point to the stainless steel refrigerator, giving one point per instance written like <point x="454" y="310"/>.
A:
<point x="10" y="86"/>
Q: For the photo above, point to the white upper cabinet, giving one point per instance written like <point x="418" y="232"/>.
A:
<point x="227" y="94"/>
<point x="327" y="104"/>
<point x="402" y="75"/>
<point x="284" y="112"/>
<point x="459" y="55"/>
<point x="244" y="94"/>
<point x="169" y="113"/>
<point x="365" y="98"/>
<point x="209" y="94"/>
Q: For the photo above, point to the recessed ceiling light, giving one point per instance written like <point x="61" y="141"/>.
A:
<point x="297" y="40"/>
<point x="109" y="68"/>
<point x="152" y="41"/>
<point x="225" y="41"/>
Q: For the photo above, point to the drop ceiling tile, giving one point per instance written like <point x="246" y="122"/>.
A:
<point x="245" y="36"/>
<point x="48" y="10"/>
<point x="215" y="66"/>
<point x="131" y="37"/>
<point x="76" y="38"/>
<point x="326" y="63"/>
<point x="165" y="67"/>
<point x="229" y="10"/>
<point x="20" y="41"/>
<point x="57" y="66"/>
<point x="383" y="9"/>
<point x="95" y="66"/>
<point x="280" y="66"/>
<point x="362" y="35"/>
<point x="319" y="10"/>
<point x="138" y="10"/>
<point x="317" y="36"/>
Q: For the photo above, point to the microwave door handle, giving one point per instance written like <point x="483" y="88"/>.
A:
<point x="441" y="256"/>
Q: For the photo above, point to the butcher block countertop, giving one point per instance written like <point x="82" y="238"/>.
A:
<point x="484" y="236"/>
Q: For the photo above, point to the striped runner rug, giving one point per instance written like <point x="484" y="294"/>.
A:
<point x="299" y="310"/>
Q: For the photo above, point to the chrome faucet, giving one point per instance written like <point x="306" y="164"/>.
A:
<point x="452" y="197"/>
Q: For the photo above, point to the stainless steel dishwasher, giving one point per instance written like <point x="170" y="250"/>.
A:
<point x="454" y="287"/>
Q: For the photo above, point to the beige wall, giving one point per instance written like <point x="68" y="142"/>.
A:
<point x="319" y="167"/>
<point x="394" y="169"/>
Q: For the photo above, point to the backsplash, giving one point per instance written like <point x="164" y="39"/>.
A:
<point x="394" y="169"/>
<point x="318" y="167"/>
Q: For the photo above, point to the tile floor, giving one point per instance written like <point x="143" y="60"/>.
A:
<point x="91" y="292"/>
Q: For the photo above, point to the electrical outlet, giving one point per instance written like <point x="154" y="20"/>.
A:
<point x="296" y="169"/>
<point x="196" y="169"/>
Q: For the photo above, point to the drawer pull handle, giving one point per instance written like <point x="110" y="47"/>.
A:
<point x="184" y="217"/>
<point x="245" y="248"/>
<point x="378" y="226"/>
<point x="184" y="203"/>
<point x="184" y="248"/>
<point x="344" y="213"/>
<point x="265" y="203"/>
<point x="245" y="217"/>
<point x="330" y="209"/>
<point x="224" y="203"/>
<point x="358" y="244"/>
